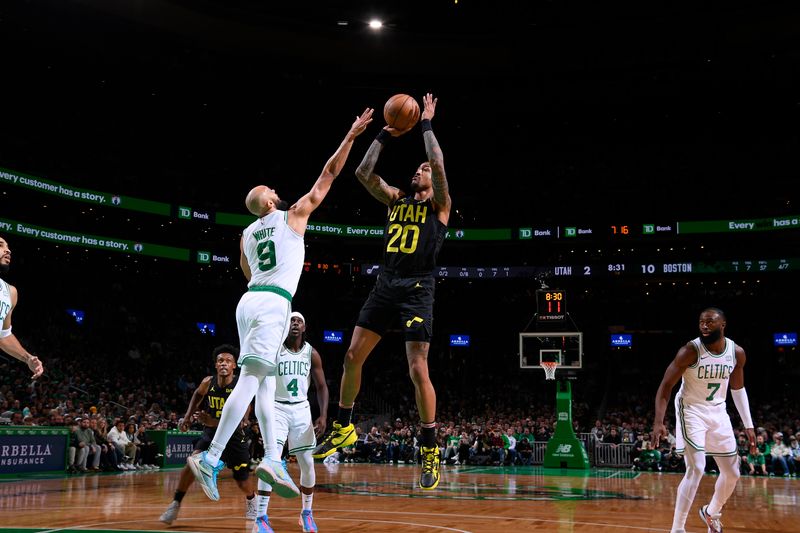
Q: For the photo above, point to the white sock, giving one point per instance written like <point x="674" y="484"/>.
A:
<point x="726" y="482"/>
<point x="695" y="466"/>
<point x="263" y="494"/>
<point x="308" y="499"/>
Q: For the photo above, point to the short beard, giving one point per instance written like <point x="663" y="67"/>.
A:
<point x="4" y="268"/>
<point x="712" y="337"/>
<point x="282" y="205"/>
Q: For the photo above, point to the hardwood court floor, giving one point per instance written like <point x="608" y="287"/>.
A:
<point x="377" y="498"/>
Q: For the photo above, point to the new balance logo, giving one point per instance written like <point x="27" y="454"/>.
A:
<point x="564" y="448"/>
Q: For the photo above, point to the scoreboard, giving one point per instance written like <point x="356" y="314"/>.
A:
<point x="620" y="268"/>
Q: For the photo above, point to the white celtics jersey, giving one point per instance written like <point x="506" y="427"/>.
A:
<point x="706" y="381"/>
<point x="274" y="252"/>
<point x="294" y="374"/>
<point x="5" y="301"/>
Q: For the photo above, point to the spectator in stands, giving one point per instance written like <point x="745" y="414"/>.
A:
<point x="525" y="451"/>
<point x="638" y="446"/>
<point x="673" y="461"/>
<point x="119" y="438"/>
<point x="109" y="459"/>
<point x="452" y="439"/>
<point x="649" y="459"/>
<point x="481" y="449"/>
<point x="613" y="437"/>
<point x="72" y="449"/>
<point x="757" y="462"/>
<point x="149" y="449"/>
<point x="794" y="450"/>
<point x="497" y="450"/>
<point x="598" y="428"/>
<point x="87" y="445"/>
<point x="781" y="456"/>
<point x="510" y="443"/>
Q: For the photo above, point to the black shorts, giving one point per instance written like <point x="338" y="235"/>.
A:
<point x="410" y="299"/>
<point x="236" y="455"/>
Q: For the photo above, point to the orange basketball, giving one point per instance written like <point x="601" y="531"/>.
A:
<point x="401" y="112"/>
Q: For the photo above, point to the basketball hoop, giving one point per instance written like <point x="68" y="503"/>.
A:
<point x="549" y="369"/>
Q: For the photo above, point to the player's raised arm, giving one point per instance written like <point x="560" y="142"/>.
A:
<point x="441" y="191"/>
<point x="379" y="189"/>
<point x="300" y="211"/>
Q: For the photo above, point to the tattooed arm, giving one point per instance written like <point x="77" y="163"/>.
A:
<point x="441" y="191"/>
<point x="379" y="189"/>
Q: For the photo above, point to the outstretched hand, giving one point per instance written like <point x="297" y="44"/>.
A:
<point x="35" y="366"/>
<point x="429" y="103"/>
<point x="361" y="122"/>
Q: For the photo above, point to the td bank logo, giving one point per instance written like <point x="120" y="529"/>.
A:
<point x="570" y="231"/>
<point x="649" y="229"/>
<point x="564" y="448"/>
<point x="203" y="257"/>
<point x="184" y="212"/>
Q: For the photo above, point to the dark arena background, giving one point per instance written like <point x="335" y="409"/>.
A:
<point x="639" y="159"/>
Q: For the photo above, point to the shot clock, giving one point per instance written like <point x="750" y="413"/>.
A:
<point x="551" y="305"/>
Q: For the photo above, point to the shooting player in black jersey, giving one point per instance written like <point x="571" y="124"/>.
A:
<point x="214" y="391"/>
<point x="416" y="226"/>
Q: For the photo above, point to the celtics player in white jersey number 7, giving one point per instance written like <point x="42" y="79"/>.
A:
<point x="8" y="301"/>
<point x="706" y="365"/>
<point x="272" y="254"/>
<point x="298" y="362"/>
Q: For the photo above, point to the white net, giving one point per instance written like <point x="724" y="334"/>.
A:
<point x="549" y="369"/>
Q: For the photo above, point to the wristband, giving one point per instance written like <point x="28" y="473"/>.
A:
<point x="426" y="125"/>
<point x="743" y="406"/>
<point x="382" y="136"/>
<point x="5" y="333"/>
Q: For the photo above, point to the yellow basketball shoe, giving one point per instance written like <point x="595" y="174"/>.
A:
<point x="429" y="478"/>
<point x="339" y="437"/>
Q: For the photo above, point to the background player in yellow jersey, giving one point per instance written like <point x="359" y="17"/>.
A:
<point x="416" y="227"/>
<point x="706" y="366"/>
<point x="298" y="362"/>
<point x="8" y="301"/>
<point x="214" y="391"/>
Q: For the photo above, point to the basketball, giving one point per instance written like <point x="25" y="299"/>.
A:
<point x="401" y="112"/>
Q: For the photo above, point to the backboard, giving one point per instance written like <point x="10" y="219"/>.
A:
<point x="564" y="347"/>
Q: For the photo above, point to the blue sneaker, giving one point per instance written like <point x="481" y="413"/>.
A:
<point x="274" y="473"/>
<point x="262" y="525"/>
<point x="307" y="522"/>
<point x="205" y="473"/>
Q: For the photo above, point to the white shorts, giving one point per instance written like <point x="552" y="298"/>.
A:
<point x="706" y="428"/>
<point x="263" y="322"/>
<point x="293" y="421"/>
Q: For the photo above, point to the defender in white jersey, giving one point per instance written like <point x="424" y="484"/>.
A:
<point x="706" y="365"/>
<point x="298" y="362"/>
<point x="271" y="259"/>
<point x="8" y="300"/>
